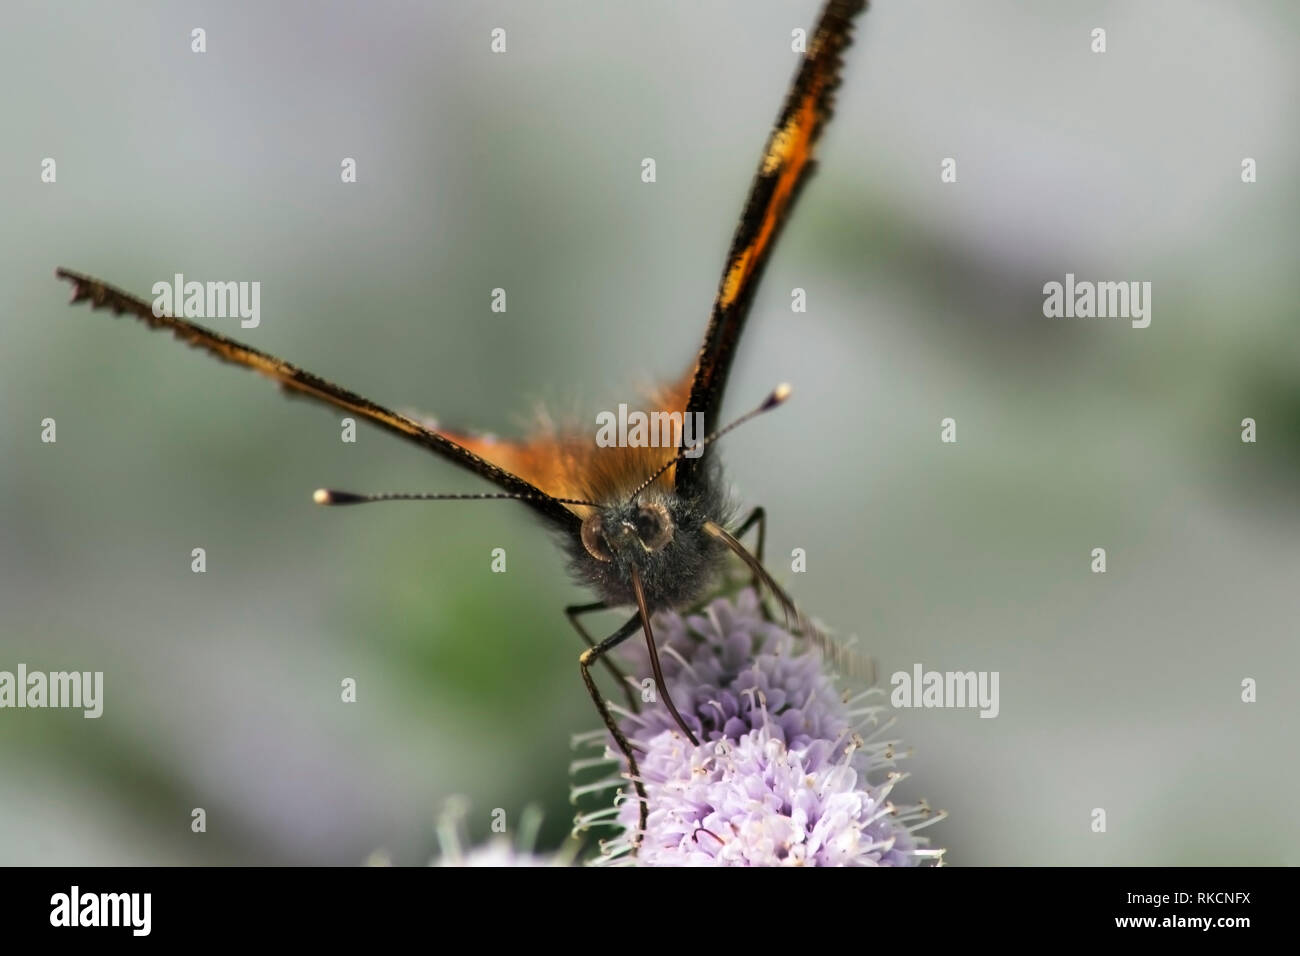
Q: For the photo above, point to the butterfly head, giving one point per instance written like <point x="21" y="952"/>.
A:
<point x="630" y="531"/>
<point x="659" y="536"/>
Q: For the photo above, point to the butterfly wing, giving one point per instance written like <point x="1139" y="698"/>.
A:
<point x="570" y="464"/>
<point x="296" y="381"/>
<point x="786" y="165"/>
<point x="554" y="464"/>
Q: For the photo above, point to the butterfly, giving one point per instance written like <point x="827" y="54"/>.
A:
<point x="644" y="526"/>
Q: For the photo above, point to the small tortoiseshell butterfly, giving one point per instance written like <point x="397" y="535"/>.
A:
<point x="645" y="527"/>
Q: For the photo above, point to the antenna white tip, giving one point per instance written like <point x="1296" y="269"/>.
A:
<point x="779" y="395"/>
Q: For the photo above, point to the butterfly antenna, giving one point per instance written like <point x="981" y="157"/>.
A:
<point x="777" y="396"/>
<point x="328" y="496"/>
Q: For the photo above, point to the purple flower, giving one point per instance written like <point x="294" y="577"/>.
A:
<point x="788" y="771"/>
<point x="500" y="850"/>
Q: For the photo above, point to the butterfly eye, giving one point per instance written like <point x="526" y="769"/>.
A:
<point x="654" y="526"/>
<point x="593" y="538"/>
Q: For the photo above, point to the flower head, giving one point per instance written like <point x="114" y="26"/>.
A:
<point x="787" y="771"/>
<point x="500" y="850"/>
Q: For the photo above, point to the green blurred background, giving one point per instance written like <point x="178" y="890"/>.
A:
<point x="522" y="171"/>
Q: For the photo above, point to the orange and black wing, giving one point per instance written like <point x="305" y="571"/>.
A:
<point x="568" y="464"/>
<point x="299" y="382"/>
<point x="786" y="165"/>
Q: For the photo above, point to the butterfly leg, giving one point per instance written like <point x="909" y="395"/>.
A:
<point x="585" y="661"/>
<point x="572" y="612"/>
<point x="757" y="517"/>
